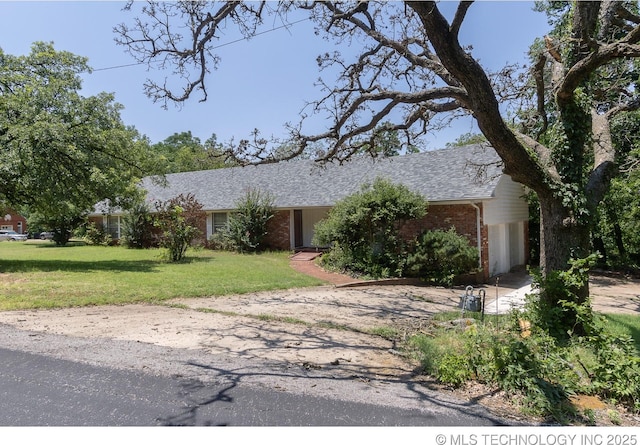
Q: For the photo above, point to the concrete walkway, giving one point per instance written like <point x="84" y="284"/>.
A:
<point x="510" y="289"/>
<point x="515" y="298"/>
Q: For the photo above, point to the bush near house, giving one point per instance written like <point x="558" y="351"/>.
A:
<point x="138" y="230"/>
<point x="363" y="232"/>
<point x="95" y="235"/>
<point x="247" y="227"/>
<point x="178" y="219"/>
<point x="438" y="256"/>
<point x="362" y="229"/>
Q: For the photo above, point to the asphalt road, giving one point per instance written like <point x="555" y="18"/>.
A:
<point x="64" y="381"/>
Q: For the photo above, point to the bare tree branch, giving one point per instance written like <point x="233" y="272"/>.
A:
<point x="604" y="167"/>
<point x="631" y="105"/>
<point x="538" y="75"/>
<point x="582" y="69"/>
<point x="482" y="101"/>
<point x="161" y="43"/>
<point x="543" y="154"/>
<point x="461" y="12"/>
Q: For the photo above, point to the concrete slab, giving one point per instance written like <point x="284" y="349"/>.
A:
<point x="305" y="256"/>
<point x="514" y="299"/>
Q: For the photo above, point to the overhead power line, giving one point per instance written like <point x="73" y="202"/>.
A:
<point x="215" y="47"/>
<point x="118" y="66"/>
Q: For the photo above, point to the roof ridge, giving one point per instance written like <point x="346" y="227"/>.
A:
<point x="364" y="158"/>
<point x="443" y="175"/>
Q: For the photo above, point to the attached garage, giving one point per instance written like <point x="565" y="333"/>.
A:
<point x="506" y="216"/>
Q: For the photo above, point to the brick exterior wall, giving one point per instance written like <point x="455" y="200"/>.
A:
<point x="279" y="231"/>
<point x="463" y="217"/>
<point x="11" y="219"/>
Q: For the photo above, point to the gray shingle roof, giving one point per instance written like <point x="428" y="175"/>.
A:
<point x="441" y="175"/>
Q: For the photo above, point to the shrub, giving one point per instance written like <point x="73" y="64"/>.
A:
<point x="616" y="374"/>
<point x="221" y="240"/>
<point x="556" y="307"/>
<point x="178" y="219"/>
<point x="248" y="224"/>
<point x="138" y="228"/>
<point x="438" y="256"/>
<point x="453" y="369"/>
<point x="362" y="229"/>
<point x="96" y="235"/>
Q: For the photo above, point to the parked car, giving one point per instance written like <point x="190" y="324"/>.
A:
<point x="11" y="235"/>
<point x="46" y="235"/>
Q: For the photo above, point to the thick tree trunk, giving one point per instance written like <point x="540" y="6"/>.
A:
<point x="562" y="238"/>
<point x="600" y="247"/>
<point x="617" y="234"/>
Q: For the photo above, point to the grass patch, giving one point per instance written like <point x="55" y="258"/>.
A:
<point x="624" y="324"/>
<point x="386" y="332"/>
<point x="277" y="318"/>
<point x="40" y="276"/>
<point x="332" y="325"/>
<point x="207" y="310"/>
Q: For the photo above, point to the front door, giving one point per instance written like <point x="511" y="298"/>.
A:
<point x="298" y="238"/>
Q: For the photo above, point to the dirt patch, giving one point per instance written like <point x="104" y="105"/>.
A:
<point x="315" y="327"/>
<point x="326" y="327"/>
<point x="615" y="294"/>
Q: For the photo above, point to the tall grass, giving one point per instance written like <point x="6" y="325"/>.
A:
<point x="538" y="369"/>
<point x="42" y="275"/>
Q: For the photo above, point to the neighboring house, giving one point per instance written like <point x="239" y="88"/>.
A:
<point x="464" y="186"/>
<point x="10" y="220"/>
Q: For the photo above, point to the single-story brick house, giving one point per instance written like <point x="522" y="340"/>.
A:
<point x="10" y="220"/>
<point x="464" y="186"/>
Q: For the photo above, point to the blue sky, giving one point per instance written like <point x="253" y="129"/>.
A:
<point x="262" y="83"/>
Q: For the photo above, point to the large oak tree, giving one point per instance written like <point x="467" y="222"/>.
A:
<point x="412" y="69"/>
<point x="61" y="152"/>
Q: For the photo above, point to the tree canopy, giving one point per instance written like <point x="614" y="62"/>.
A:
<point x="183" y="152"/>
<point x="413" y="72"/>
<point x="60" y="152"/>
<point x="616" y="234"/>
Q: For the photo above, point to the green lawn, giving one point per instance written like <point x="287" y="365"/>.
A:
<point x="625" y="324"/>
<point x="42" y="275"/>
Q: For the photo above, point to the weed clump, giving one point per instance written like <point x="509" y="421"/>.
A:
<point x="524" y="355"/>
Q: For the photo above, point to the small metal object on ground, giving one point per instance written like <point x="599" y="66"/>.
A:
<point x="471" y="302"/>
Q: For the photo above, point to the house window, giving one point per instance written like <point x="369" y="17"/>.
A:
<point x="219" y="221"/>
<point x="113" y="226"/>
